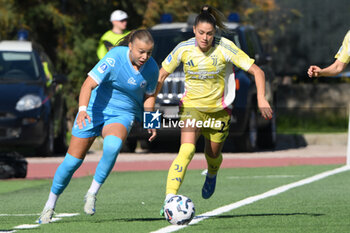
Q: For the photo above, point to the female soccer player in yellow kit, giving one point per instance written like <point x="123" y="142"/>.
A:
<point x="205" y="57"/>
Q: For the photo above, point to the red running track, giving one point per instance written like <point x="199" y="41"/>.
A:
<point x="47" y="170"/>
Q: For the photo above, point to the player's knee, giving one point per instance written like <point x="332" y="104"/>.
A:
<point x="213" y="155"/>
<point x="216" y="159"/>
<point x="70" y="163"/>
<point x="111" y="145"/>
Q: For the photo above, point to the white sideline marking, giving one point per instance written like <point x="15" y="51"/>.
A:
<point x="258" y="177"/>
<point x="252" y="199"/>
<point x="23" y="215"/>
<point x="62" y="215"/>
<point x="26" y="226"/>
<point x="55" y="219"/>
<point x="30" y="226"/>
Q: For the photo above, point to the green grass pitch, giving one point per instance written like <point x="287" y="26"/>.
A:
<point x="130" y="202"/>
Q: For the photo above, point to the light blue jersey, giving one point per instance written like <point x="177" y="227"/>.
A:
<point x="121" y="88"/>
<point x="119" y="96"/>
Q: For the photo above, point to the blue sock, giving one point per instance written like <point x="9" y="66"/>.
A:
<point x="64" y="173"/>
<point x="111" y="148"/>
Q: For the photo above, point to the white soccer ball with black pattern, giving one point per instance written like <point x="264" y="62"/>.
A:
<point x="179" y="210"/>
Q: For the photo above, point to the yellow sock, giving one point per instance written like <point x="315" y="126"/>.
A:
<point x="178" y="168"/>
<point x="213" y="164"/>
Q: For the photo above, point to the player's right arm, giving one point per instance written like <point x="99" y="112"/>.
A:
<point x="163" y="74"/>
<point x="169" y="64"/>
<point x="332" y="70"/>
<point x="84" y="97"/>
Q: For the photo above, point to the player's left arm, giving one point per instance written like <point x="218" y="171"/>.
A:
<point x="243" y="61"/>
<point x="338" y="66"/>
<point x="150" y="98"/>
<point x="263" y="104"/>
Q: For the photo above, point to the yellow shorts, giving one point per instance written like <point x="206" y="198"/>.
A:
<point x="214" y="125"/>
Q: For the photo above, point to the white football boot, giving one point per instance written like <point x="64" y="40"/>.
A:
<point x="46" y="216"/>
<point x="90" y="202"/>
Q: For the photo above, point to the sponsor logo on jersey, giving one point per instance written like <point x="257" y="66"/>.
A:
<point x="169" y="58"/>
<point x="132" y="81"/>
<point x="190" y="63"/>
<point x="102" y="68"/>
<point x="110" y="61"/>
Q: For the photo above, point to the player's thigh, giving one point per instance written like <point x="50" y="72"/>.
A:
<point x="115" y="129"/>
<point x="78" y="147"/>
<point x="216" y="134"/>
<point x="190" y="135"/>
<point x="118" y="126"/>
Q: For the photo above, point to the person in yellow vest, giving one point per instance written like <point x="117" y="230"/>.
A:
<point x="47" y="72"/>
<point x="119" y="19"/>
<point x="339" y="65"/>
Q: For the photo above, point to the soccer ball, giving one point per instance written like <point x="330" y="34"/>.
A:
<point x="179" y="210"/>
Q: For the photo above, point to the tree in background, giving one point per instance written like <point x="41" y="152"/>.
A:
<point x="69" y="30"/>
<point x="181" y="9"/>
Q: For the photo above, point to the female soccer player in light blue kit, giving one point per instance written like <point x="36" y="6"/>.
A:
<point x="111" y="98"/>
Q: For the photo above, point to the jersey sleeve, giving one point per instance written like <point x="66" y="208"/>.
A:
<point x="343" y="54"/>
<point x="153" y="79"/>
<point x="173" y="60"/>
<point x="235" y="55"/>
<point x="102" y="69"/>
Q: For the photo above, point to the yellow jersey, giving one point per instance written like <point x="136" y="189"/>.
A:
<point x="205" y="72"/>
<point x="343" y="54"/>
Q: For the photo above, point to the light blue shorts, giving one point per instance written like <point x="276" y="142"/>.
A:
<point x="97" y="123"/>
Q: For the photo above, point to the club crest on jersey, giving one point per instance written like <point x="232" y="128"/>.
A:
<point x="143" y="84"/>
<point x="110" y="61"/>
<point x="132" y="81"/>
<point x="102" y="68"/>
<point x="215" y="61"/>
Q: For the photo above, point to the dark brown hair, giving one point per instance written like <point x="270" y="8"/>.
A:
<point x="141" y="34"/>
<point x="212" y="16"/>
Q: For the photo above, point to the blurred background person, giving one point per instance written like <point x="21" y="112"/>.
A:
<point x="119" y="19"/>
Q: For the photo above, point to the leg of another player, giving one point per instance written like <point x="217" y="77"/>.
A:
<point x="72" y="161"/>
<point x="214" y="159"/>
<point x="178" y="168"/>
<point x="114" y="134"/>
